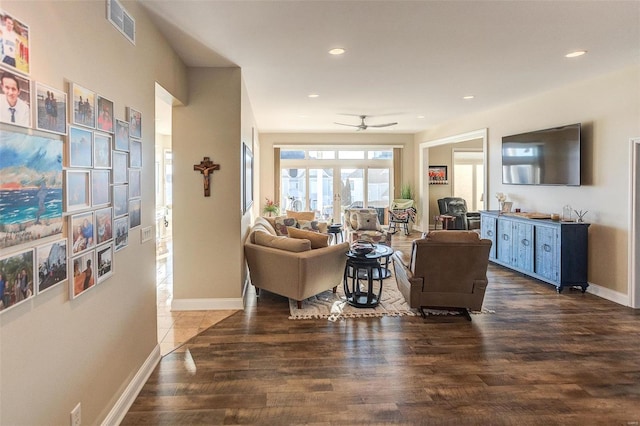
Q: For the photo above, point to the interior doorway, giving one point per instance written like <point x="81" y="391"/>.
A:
<point x="634" y="226"/>
<point x="424" y="211"/>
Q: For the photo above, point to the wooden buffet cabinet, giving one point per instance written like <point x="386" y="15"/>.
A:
<point x="554" y="252"/>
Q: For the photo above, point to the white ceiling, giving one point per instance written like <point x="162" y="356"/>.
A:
<point x="403" y="59"/>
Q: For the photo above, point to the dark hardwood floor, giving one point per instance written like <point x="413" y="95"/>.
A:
<point x="541" y="359"/>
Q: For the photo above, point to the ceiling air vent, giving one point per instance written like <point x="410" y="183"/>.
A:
<point x="118" y="16"/>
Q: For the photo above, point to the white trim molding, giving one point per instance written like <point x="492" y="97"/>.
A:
<point x="220" y="304"/>
<point x="122" y="405"/>
<point x="607" y="293"/>
<point x="634" y="223"/>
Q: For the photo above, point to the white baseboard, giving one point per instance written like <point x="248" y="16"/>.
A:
<point x="206" y="304"/>
<point x="132" y="390"/>
<point x="607" y="293"/>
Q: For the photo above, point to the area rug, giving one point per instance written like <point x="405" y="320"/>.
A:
<point x="333" y="306"/>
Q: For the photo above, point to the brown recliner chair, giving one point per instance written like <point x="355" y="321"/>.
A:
<point x="446" y="269"/>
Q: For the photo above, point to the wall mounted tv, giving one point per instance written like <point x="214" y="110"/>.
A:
<point x="542" y="157"/>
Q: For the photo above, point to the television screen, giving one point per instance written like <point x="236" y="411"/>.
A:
<point x="542" y="157"/>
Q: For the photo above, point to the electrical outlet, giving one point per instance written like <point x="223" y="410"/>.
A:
<point x="76" y="415"/>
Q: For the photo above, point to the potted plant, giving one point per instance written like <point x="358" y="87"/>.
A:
<point x="406" y="192"/>
<point x="270" y="208"/>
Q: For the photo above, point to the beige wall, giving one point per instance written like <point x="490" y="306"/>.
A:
<point x="56" y="352"/>
<point x="608" y="107"/>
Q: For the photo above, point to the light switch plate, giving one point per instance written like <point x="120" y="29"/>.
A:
<point x="146" y="234"/>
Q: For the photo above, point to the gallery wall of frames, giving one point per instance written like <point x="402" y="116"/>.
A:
<point x="70" y="178"/>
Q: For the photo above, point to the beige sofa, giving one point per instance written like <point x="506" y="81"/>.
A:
<point x="446" y="269"/>
<point x="290" y="267"/>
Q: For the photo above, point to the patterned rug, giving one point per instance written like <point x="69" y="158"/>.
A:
<point x="333" y="306"/>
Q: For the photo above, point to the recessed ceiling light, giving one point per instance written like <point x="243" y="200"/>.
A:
<point x="337" y="51"/>
<point x="313" y="95"/>
<point x="468" y="97"/>
<point x="575" y="54"/>
<point x="420" y="117"/>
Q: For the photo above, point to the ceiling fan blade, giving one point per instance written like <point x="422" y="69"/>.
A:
<point x="350" y="125"/>
<point x="382" y="125"/>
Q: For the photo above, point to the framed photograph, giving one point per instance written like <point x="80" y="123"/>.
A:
<point x="16" y="275"/>
<point x="135" y="217"/>
<point x="30" y="186"/>
<point x="51" y="264"/>
<point x="104" y="110"/>
<point x="438" y="175"/>
<point x="120" y="200"/>
<point x="83" y="106"/>
<point x="101" y="151"/>
<point x="120" y="161"/>
<point x="135" y="123"/>
<point x="121" y="225"/>
<point x="51" y="109"/>
<point x="83" y="275"/>
<point x="14" y="55"/>
<point x="247" y="184"/>
<point x="122" y="135"/>
<point x="77" y="189"/>
<point x="100" y="187"/>
<point x="81" y="232"/>
<point x="506" y="207"/>
<point x="104" y="228"/>
<point x="15" y="102"/>
<point x="104" y="262"/>
<point x="135" y="154"/>
<point x="80" y="147"/>
<point x="135" y="177"/>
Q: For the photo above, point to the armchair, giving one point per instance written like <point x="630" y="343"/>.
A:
<point x="363" y="224"/>
<point x="446" y="269"/>
<point x="457" y="207"/>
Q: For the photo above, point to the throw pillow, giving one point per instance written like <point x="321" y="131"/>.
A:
<point x="301" y="215"/>
<point x="317" y="240"/>
<point x="281" y="224"/>
<point x="367" y="221"/>
<point x="310" y="225"/>
<point x="282" y="243"/>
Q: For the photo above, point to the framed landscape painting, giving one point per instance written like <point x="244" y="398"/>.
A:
<point x="51" y="264"/>
<point x="83" y="106"/>
<point x="17" y="274"/>
<point x="51" y="109"/>
<point x="31" y="183"/>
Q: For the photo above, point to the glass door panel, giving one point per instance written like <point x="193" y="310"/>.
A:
<point x="351" y="188"/>
<point x="321" y="193"/>
<point x="378" y="191"/>
<point x="294" y="189"/>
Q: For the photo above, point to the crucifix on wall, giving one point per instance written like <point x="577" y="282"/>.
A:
<point x="206" y="167"/>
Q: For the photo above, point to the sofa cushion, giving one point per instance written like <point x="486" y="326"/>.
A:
<point x="367" y="221"/>
<point x="282" y="243"/>
<point x="282" y="222"/>
<point x="313" y="225"/>
<point x="317" y="239"/>
<point x="265" y="223"/>
<point x="301" y="215"/>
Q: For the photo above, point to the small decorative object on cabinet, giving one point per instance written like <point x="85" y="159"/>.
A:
<point x="554" y="252"/>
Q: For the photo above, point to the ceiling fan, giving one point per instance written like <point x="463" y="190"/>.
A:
<point x="364" y="126"/>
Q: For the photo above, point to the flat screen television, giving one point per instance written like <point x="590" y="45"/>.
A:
<point x="542" y="157"/>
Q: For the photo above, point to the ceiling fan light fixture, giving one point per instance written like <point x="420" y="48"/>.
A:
<point x="337" y="51"/>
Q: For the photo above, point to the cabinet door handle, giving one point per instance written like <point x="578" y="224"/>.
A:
<point x="505" y="237"/>
<point x="525" y="242"/>
<point x="490" y="233"/>
<point x="546" y="247"/>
